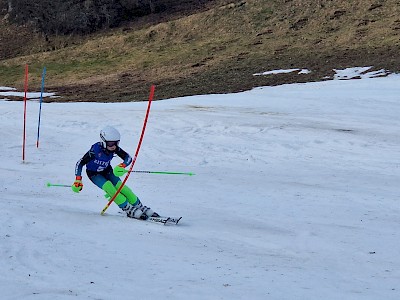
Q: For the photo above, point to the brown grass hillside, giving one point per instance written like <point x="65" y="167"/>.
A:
<point x="216" y="50"/>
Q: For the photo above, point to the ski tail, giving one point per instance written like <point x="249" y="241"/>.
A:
<point x="164" y="220"/>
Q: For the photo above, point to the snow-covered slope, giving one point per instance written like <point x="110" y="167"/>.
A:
<point x="295" y="197"/>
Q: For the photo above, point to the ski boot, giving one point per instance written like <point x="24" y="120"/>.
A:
<point x="138" y="211"/>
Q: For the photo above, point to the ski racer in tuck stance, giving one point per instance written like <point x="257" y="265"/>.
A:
<point x="100" y="172"/>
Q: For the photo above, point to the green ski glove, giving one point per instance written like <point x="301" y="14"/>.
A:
<point x="77" y="185"/>
<point x="120" y="170"/>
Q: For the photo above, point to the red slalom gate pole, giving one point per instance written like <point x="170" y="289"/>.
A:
<point x="137" y="151"/>
<point x="25" y="97"/>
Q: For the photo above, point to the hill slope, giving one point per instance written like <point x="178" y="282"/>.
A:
<point x="295" y="197"/>
<point x="216" y="50"/>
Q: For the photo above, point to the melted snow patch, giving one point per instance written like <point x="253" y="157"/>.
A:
<point x="358" y="73"/>
<point x="6" y="88"/>
<point x="273" y="72"/>
<point x="30" y="95"/>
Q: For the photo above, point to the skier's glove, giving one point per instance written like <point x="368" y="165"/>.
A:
<point x="120" y="170"/>
<point x="77" y="185"/>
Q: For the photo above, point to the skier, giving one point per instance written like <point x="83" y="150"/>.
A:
<point x="100" y="172"/>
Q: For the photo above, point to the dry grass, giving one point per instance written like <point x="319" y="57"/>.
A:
<point x="215" y="51"/>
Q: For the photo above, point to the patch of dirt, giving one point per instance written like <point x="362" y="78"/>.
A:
<point x="234" y="76"/>
<point x="317" y="35"/>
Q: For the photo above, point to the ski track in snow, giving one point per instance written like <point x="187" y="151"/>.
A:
<point x="294" y="197"/>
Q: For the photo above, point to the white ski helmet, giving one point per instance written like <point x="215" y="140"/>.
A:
<point x="109" y="134"/>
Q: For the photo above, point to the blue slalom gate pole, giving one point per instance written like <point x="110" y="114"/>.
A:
<point x="40" y="105"/>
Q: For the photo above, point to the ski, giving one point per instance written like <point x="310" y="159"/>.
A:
<point x="164" y="220"/>
<point x="159" y="220"/>
<point x="174" y="220"/>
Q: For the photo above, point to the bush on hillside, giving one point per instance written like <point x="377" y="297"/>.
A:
<point x="84" y="16"/>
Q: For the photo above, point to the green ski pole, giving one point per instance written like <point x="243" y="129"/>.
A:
<point x="118" y="171"/>
<point x="160" y="172"/>
<point x="60" y="185"/>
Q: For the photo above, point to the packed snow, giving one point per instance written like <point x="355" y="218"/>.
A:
<point x="295" y="197"/>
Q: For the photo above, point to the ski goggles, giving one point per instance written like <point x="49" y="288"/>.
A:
<point x="112" y="143"/>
